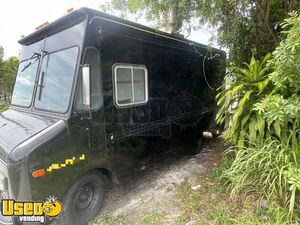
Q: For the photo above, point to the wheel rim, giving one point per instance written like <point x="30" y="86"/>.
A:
<point x="84" y="197"/>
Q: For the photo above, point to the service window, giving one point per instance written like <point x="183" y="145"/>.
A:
<point x="130" y="85"/>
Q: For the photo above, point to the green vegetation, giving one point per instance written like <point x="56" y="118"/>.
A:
<point x="8" y="70"/>
<point x="264" y="126"/>
<point x="152" y="218"/>
<point x="260" y="169"/>
<point x="245" y="87"/>
<point x="110" y="220"/>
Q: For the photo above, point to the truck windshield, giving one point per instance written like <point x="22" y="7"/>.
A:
<point x="56" y="80"/>
<point x="23" y="90"/>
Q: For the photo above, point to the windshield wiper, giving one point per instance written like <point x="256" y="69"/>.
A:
<point x="31" y="63"/>
<point x="41" y="85"/>
<point x="41" y="81"/>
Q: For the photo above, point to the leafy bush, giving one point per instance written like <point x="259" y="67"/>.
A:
<point x="286" y="58"/>
<point x="280" y="115"/>
<point x="264" y="126"/>
<point x="283" y="109"/>
<point x="244" y="87"/>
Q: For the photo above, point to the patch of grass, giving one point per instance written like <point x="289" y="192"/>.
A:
<point x="217" y="172"/>
<point x="153" y="218"/>
<point x="181" y="219"/>
<point x="211" y="204"/>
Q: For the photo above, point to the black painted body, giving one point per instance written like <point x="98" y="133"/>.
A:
<point x="114" y="138"/>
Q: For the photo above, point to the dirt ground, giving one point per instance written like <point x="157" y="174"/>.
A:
<point x="153" y="190"/>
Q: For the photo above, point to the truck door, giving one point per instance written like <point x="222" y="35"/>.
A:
<point x="90" y="122"/>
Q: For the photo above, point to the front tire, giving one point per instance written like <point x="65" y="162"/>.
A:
<point x="84" y="199"/>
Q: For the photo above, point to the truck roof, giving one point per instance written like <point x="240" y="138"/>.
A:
<point x="81" y="14"/>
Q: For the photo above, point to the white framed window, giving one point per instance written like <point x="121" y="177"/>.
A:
<point x="130" y="85"/>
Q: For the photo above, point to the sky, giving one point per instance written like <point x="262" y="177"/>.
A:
<point x="21" y="17"/>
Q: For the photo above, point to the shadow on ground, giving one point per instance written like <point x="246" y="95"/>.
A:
<point x="152" y="188"/>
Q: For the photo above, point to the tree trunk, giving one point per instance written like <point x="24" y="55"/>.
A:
<point x="176" y="20"/>
<point x="265" y="36"/>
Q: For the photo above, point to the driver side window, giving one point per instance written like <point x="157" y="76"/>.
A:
<point x="91" y="57"/>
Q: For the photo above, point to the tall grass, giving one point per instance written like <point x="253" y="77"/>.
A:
<point x="268" y="170"/>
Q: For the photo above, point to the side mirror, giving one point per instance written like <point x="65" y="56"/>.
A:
<point x="86" y="85"/>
